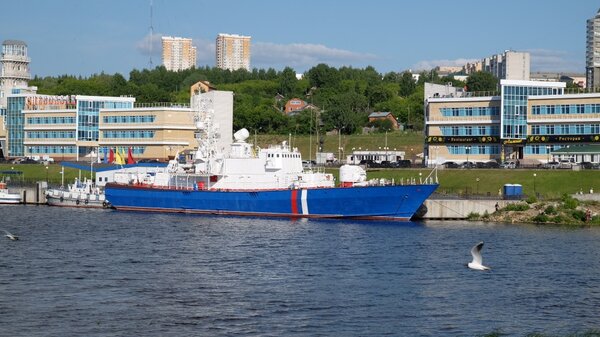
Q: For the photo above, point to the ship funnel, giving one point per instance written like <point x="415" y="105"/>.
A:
<point x="241" y="135"/>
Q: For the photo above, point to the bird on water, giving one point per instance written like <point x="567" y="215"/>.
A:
<point x="11" y="236"/>
<point x="477" y="263"/>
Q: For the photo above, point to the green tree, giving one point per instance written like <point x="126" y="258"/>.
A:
<point x="407" y="84"/>
<point x="482" y="81"/>
<point x="323" y="75"/>
<point x="287" y="82"/>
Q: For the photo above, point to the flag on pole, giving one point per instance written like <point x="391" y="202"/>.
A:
<point x="130" y="157"/>
<point x="120" y="160"/>
<point x="111" y="156"/>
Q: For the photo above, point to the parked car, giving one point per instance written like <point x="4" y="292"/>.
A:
<point x="309" y="163"/>
<point x="450" y="164"/>
<point x="467" y="165"/>
<point x="492" y="164"/>
<point x="24" y="160"/>
<point x="509" y="165"/>
<point x="586" y="165"/>
<point x="550" y="165"/>
<point x="566" y="164"/>
<point x="403" y="163"/>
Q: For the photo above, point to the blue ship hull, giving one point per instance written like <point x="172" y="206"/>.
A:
<point x="398" y="202"/>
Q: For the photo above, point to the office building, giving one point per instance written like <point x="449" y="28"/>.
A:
<point x="65" y="126"/>
<point x="178" y="53"/>
<point x="592" y="52"/>
<point x="78" y="127"/>
<point x="528" y="123"/>
<point x="15" y="69"/>
<point x="233" y="52"/>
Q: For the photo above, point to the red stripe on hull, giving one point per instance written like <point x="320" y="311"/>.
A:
<point x="294" y="201"/>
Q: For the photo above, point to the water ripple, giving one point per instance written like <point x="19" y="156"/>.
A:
<point x="105" y="273"/>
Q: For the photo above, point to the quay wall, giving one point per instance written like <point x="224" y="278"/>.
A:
<point x="34" y="195"/>
<point x="446" y="209"/>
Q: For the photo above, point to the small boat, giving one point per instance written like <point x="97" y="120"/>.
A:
<point x="79" y="194"/>
<point x="6" y="197"/>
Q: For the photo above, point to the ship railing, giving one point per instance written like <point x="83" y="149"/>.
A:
<point x="430" y="179"/>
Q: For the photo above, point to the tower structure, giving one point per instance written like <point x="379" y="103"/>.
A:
<point x="233" y="51"/>
<point x="592" y="52"/>
<point x="15" y="68"/>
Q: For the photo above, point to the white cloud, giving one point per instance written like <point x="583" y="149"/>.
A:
<point x="267" y="54"/>
<point x="303" y="55"/>
<point x="556" y="61"/>
<point x="150" y="46"/>
<point x="205" y="51"/>
<point x="430" y="64"/>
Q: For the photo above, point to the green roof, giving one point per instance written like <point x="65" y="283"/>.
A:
<point x="595" y="149"/>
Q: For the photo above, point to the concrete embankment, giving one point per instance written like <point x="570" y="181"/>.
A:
<point x="446" y="209"/>
<point x="33" y="195"/>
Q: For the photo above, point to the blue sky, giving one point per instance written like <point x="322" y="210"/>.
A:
<point x="80" y="37"/>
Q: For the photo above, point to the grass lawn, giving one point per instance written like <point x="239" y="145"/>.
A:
<point x="548" y="183"/>
<point x="38" y="172"/>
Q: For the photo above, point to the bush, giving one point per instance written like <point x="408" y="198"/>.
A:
<point x="550" y="210"/>
<point x="569" y="202"/>
<point x="486" y="215"/>
<point x="517" y="207"/>
<point x="473" y="216"/>
<point x="531" y="200"/>
<point x="579" y="215"/>
<point x="540" y="218"/>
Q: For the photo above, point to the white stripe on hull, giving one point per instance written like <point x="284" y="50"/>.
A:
<point x="304" y="202"/>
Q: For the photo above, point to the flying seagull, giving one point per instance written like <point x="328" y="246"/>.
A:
<point x="11" y="236"/>
<point x="477" y="260"/>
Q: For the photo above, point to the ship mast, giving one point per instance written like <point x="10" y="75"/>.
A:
<point x="206" y="134"/>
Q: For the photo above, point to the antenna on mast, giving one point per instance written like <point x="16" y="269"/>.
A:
<point x="151" y="34"/>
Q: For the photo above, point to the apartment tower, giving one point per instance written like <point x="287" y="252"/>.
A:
<point x="592" y="52"/>
<point x="178" y="53"/>
<point x="233" y="52"/>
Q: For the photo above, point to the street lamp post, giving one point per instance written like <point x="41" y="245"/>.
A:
<point x="548" y="152"/>
<point x="468" y="149"/>
<point x="534" y="190"/>
<point x="46" y="174"/>
<point x="477" y="180"/>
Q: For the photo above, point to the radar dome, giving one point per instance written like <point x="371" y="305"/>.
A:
<point x="241" y="135"/>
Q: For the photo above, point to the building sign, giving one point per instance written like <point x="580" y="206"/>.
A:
<point x="47" y="102"/>
<point x="529" y="140"/>
<point x="564" y="139"/>
<point x="513" y="141"/>
<point x="461" y="139"/>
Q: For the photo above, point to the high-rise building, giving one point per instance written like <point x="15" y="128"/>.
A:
<point x="15" y="68"/>
<point x="178" y="53"/>
<point x="510" y="65"/>
<point x="233" y="51"/>
<point x="592" y="52"/>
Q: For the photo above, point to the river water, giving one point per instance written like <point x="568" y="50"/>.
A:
<point x="107" y="273"/>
